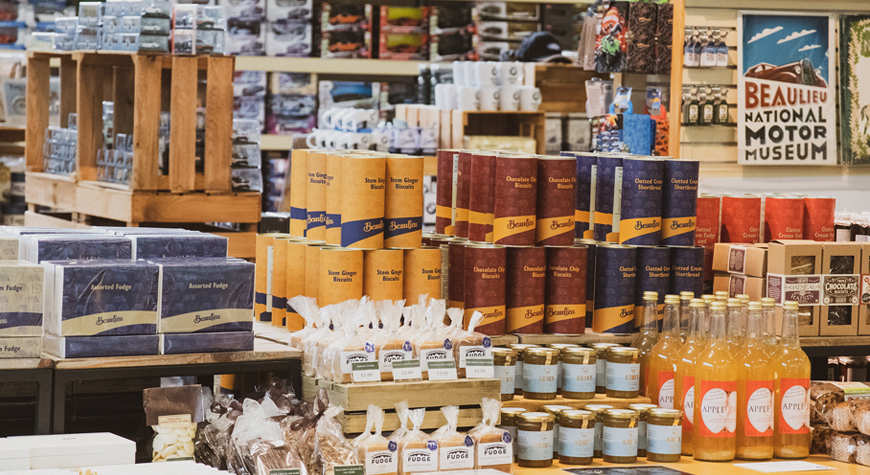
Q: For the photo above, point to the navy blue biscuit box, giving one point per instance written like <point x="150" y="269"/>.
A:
<point x="76" y="247"/>
<point x="206" y="295"/>
<point x="158" y="246"/>
<point x="90" y="298"/>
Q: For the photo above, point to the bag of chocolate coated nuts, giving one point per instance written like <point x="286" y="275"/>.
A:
<point x="173" y="414"/>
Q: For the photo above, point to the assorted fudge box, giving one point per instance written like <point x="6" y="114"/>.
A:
<point x="115" y="291"/>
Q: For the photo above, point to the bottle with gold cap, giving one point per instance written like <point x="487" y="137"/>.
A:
<point x="721" y="296"/>
<point x="734" y="327"/>
<point x="791" y="423"/>
<point x="647" y="338"/>
<point x="715" y="422"/>
<point x="755" y="392"/>
<point x="744" y="304"/>
<point x="685" y="299"/>
<point x="684" y="379"/>
<point x="663" y="359"/>
<point x="768" y="315"/>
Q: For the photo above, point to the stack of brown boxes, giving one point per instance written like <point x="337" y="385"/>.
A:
<point x="740" y="269"/>
<point x="794" y="268"/>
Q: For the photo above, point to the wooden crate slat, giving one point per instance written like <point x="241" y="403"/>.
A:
<point x="36" y="101"/>
<point x="355" y="423"/>
<point x="462" y="392"/>
<point x="219" y="124"/>
<point x="122" y="96"/>
<point x="146" y="122"/>
<point x="182" y="124"/>
<point x="47" y="221"/>
<point x="67" y="73"/>
<point x="241" y="244"/>
<point x="54" y="191"/>
<point x="151" y="207"/>
<point x="89" y="118"/>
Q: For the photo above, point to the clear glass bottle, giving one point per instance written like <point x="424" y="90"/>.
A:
<point x="734" y="327"/>
<point x="791" y="434"/>
<point x="663" y="358"/>
<point x="768" y="315"/>
<point x="714" y="437"/>
<point x="684" y="380"/>
<point x="755" y="392"/>
<point x="744" y="305"/>
<point x="647" y="338"/>
<point x="685" y="298"/>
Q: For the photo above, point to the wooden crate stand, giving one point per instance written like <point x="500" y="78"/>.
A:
<point x="522" y="124"/>
<point x="562" y="86"/>
<point x="47" y="189"/>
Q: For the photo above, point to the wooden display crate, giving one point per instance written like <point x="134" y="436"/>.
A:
<point x="562" y="85"/>
<point x="46" y="189"/>
<point x="432" y="395"/>
<point x="584" y="339"/>
<point x="535" y="404"/>
<point x="514" y="124"/>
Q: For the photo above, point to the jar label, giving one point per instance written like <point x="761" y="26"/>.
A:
<point x="641" y="435"/>
<point x="688" y="403"/>
<point x="666" y="389"/>
<point x="663" y="440"/>
<point x="512" y="430"/>
<point x="558" y="375"/>
<point x="794" y="408"/>
<point x="619" y="442"/>
<point x="601" y="372"/>
<point x="599" y="432"/>
<point x="456" y="458"/>
<point x="539" y="378"/>
<point x="506" y="374"/>
<point x="494" y="453"/>
<point x="718" y="408"/>
<point x="518" y="383"/>
<point x="420" y="460"/>
<point x="576" y="442"/>
<point x="382" y="461"/>
<point x="759" y="409"/>
<point x="623" y="376"/>
<point x="578" y="378"/>
<point x="535" y="445"/>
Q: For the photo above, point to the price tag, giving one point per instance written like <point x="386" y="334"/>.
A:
<point x="407" y="369"/>
<point x="180" y="421"/>
<point x="442" y="370"/>
<point x="366" y="372"/>
<point x="479" y="368"/>
<point x="285" y="471"/>
<point x="349" y="470"/>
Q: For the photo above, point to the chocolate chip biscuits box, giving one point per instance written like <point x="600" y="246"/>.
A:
<point x="101" y="298"/>
<point x="21" y="298"/>
<point x="157" y="246"/>
<point x="206" y="295"/>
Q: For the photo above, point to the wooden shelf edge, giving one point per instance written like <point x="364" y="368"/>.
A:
<point x="377" y="67"/>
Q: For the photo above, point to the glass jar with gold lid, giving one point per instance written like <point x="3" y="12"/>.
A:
<point x="619" y="438"/>
<point x="601" y="365"/>
<point x="560" y="347"/>
<point x="539" y="373"/>
<point x="519" y="348"/>
<point x="535" y="439"/>
<point x="508" y="422"/>
<point x="642" y="411"/>
<point x="623" y="372"/>
<point x="576" y="441"/>
<point x="578" y="372"/>
<point x="555" y="410"/>
<point x="663" y="435"/>
<point x="504" y="361"/>
<point x="598" y="411"/>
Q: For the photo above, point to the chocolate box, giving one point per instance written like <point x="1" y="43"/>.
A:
<point x="20" y="347"/>
<point x="88" y="298"/>
<point x="736" y="284"/>
<point x="841" y="279"/>
<point x="794" y="273"/>
<point x="62" y="247"/>
<point x="864" y="291"/>
<point x="8" y="248"/>
<point x="178" y="245"/>
<point x="21" y="298"/>
<point x="737" y="259"/>
<point x="206" y="295"/>
<point x="100" y="346"/>
<point x="178" y="343"/>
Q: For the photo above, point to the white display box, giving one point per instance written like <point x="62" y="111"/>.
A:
<point x="13" y="455"/>
<point x="77" y="450"/>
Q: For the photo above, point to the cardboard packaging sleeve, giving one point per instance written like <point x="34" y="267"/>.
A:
<point x="793" y="268"/>
<point x="21" y="298"/>
<point x="77" y="450"/>
<point x="179" y="343"/>
<point x="181" y="245"/>
<point x="740" y="259"/>
<point x="101" y="346"/>
<point x="20" y="347"/>
<point x="59" y="247"/>
<point x="841" y="292"/>
<point x="736" y="284"/>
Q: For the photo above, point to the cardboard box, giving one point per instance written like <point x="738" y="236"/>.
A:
<point x="736" y="284"/>
<point x="20" y="347"/>
<point x="736" y="259"/>
<point x="100" y="346"/>
<point x="14" y="455"/>
<point x="841" y="265"/>
<point x="77" y="450"/>
<point x="864" y="291"/>
<point x="21" y="298"/>
<point x="794" y="267"/>
<point x="179" y="343"/>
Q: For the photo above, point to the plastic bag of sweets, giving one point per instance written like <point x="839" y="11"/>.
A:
<point x="306" y="307"/>
<point x="173" y="413"/>
<point x="257" y="438"/>
<point x="455" y="449"/>
<point x="471" y="344"/>
<point x="493" y="447"/>
<point x="402" y="414"/>
<point x="299" y="429"/>
<point x="418" y="452"/>
<point x="351" y="346"/>
<point x="359" y="441"/>
<point x="433" y="343"/>
<point x="345" y="320"/>
<point x="333" y="449"/>
<point x="380" y="455"/>
<point x="391" y="346"/>
<point x="209" y="446"/>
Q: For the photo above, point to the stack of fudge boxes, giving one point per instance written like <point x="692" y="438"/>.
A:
<point x="115" y="291"/>
<point x="829" y="280"/>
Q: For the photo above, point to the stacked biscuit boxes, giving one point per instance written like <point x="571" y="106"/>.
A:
<point x="103" y="290"/>
<point x="740" y="269"/>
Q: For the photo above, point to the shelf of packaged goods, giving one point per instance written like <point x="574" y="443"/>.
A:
<point x="584" y="339"/>
<point x="376" y="67"/>
<point x="535" y="404"/>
